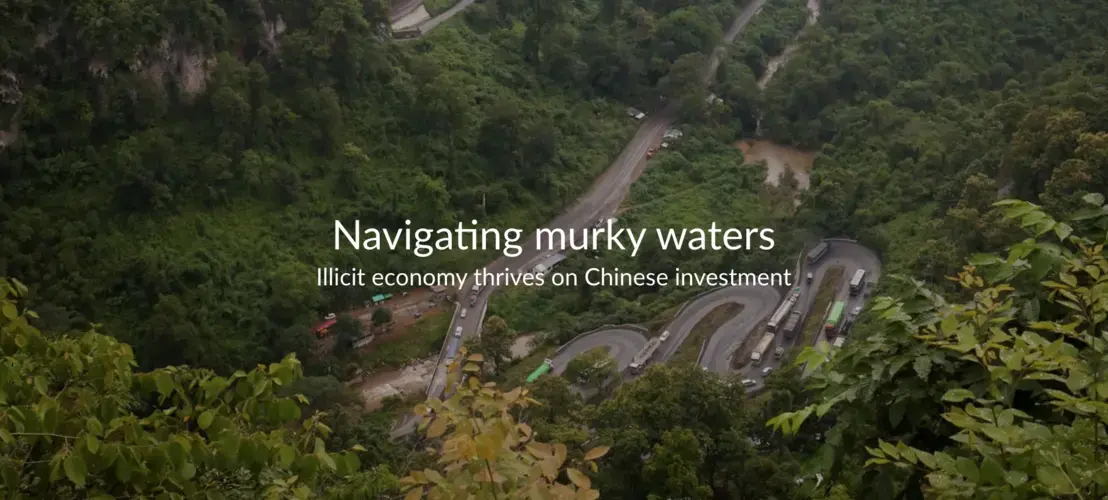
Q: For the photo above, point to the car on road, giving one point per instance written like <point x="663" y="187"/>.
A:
<point x="766" y="371"/>
<point x="810" y="277"/>
<point x="749" y="383"/>
<point x="458" y="332"/>
<point x="464" y="312"/>
<point x="777" y="353"/>
<point x="650" y="153"/>
<point x="665" y="335"/>
<point x="857" y="310"/>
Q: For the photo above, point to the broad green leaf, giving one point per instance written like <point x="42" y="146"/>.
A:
<point x="75" y="469"/>
<point x="92" y="443"/>
<point x="41" y="385"/>
<point x="967" y="468"/>
<point x="205" y="419"/>
<point x="1096" y="199"/>
<point x="1063" y="231"/>
<point x="1015" y="477"/>
<point x="957" y="395"/>
<point x="94" y="426"/>
<point x="10" y="311"/>
<point x="1078" y="380"/>
<point x="164" y="383"/>
<point x="1054" y="479"/>
<point x="992" y="472"/>
<point x="896" y="412"/>
<point x="922" y="365"/>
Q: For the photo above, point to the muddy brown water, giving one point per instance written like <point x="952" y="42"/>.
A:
<point x="778" y="160"/>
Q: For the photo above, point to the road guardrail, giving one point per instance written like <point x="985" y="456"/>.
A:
<point x="624" y="326"/>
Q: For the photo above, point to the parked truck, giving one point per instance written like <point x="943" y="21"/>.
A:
<point x="760" y="350"/>
<point x="833" y="319"/>
<point x="792" y="325"/>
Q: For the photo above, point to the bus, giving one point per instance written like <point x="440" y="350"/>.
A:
<point x="857" y="281"/>
<point x="818" y="252"/>
<point x="540" y="371"/>
<point x="834" y="318"/>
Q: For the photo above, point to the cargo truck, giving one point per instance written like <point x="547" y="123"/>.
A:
<point x="645" y="354"/>
<point x="540" y="371"/>
<point x="452" y="348"/>
<point x="792" y="324"/>
<point x="760" y="350"/>
<point x="832" y="324"/>
<point x="783" y="310"/>
<point x="473" y="294"/>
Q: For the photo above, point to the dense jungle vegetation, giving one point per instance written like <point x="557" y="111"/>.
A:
<point x="135" y="203"/>
<point x="176" y="169"/>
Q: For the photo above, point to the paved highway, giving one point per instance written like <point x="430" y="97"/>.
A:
<point x="602" y="200"/>
<point x="843" y="253"/>
<point x="759" y="303"/>
<point x="622" y="345"/>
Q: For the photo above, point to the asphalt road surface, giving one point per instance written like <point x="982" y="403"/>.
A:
<point x="602" y="200"/>
<point x="622" y="345"/>
<point x="846" y="254"/>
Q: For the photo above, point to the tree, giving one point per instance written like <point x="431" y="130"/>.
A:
<point x="1021" y="406"/>
<point x="592" y="369"/>
<point x="381" y="315"/>
<point x="77" y="422"/>
<point x="653" y="417"/>
<point x="485" y="453"/>
<point x="346" y="331"/>
<point x="496" y="341"/>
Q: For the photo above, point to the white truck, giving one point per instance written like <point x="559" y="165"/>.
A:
<point x="473" y="294"/>
<point x="760" y="350"/>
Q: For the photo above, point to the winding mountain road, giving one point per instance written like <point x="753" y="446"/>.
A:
<point x="602" y="200"/>
<point x="758" y="304"/>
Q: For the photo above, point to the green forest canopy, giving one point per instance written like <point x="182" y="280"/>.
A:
<point x="178" y="167"/>
<point x="146" y="207"/>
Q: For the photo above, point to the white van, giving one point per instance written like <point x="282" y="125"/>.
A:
<point x="665" y="335"/>
<point x="458" y="332"/>
<point x="464" y="313"/>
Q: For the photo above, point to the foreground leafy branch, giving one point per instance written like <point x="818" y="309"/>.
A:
<point x="1033" y="420"/>
<point x="486" y="454"/>
<point x="76" y="421"/>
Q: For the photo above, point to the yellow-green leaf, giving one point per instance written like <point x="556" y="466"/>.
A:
<point x="205" y="419"/>
<point x="437" y="428"/>
<point x="596" y="453"/>
<point x="75" y="469"/>
<point x="414" y="494"/>
<point x="579" y="478"/>
<point x="10" y="311"/>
